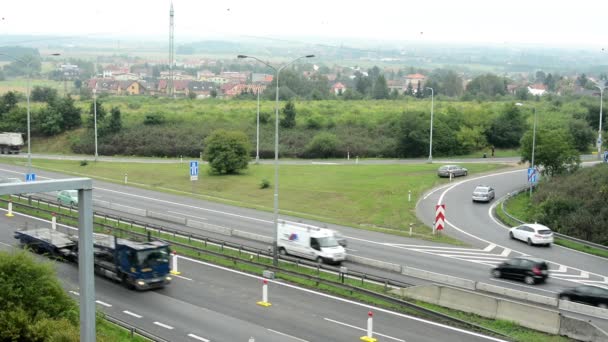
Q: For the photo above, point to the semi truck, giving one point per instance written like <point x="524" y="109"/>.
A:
<point x="137" y="265"/>
<point x="309" y="242"/>
<point x="10" y="143"/>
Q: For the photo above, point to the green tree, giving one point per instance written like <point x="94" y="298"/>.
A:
<point x="33" y="304"/>
<point x="323" y="145"/>
<point x="49" y="121"/>
<point x="553" y="150"/>
<point x="227" y="151"/>
<point x="471" y="139"/>
<point x="71" y="115"/>
<point x="8" y="102"/>
<point x="488" y="84"/>
<point x="115" y="124"/>
<point x="582" y="134"/>
<point x="413" y="135"/>
<point x="508" y="128"/>
<point x="288" y="120"/>
<point x="522" y="93"/>
<point x="380" y="89"/>
<point x="43" y="94"/>
<point x="362" y="83"/>
<point x="96" y="107"/>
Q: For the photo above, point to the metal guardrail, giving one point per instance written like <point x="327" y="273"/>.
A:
<point x="133" y="330"/>
<point x="340" y="275"/>
<point x="559" y="235"/>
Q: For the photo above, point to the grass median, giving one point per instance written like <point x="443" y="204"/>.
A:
<point x="374" y="197"/>
<point x="298" y="274"/>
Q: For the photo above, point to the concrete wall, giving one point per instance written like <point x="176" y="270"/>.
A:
<point x="583" y="309"/>
<point x="209" y="227"/>
<point x="374" y="263"/>
<point x="439" y="278"/>
<point x="531" y="297"/>
<point x="166" y="217"/>
<point x="487" y="306"/>
<point x="581" y="330"/>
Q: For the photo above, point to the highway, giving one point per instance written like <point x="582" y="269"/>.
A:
<point x="210" y="303"/>
<point x="468" y="221"/>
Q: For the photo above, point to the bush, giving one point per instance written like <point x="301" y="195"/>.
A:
<point x="265" y="184"/>
<point x="323" y="145"/>
<point x="154" y="119"/>
<point x="84" y="162"/>
<point x="227" y="151"/>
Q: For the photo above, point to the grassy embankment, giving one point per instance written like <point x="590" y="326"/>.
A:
<point x="518" y="206"/>
<point x="373" y="197"/>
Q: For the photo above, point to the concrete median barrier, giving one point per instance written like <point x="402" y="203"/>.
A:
<point x="529" y="316"/>
<point x="374" y="263"/>
<point x="127" y="209"/>
<point x="438" y="278"/>
<point x="166" y="217"/>
<point x="583" y="309"/>
<point x="425" y="293"/>
<point x="515" y="294"/>
<point x="100" y="203"/>
<point x="252" y="236"/>
<point x="209" y="227"/>
<point x="581" y="330"/>
<point x="485" y="306"/>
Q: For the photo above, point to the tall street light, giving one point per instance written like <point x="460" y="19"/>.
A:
<point x="28" y="65"/>
<point x="95" y="117"/>
<point x="275" y="256"/>
<point x="257" y="136"/>
<point x="533" y="143"/>
<point x="601" y="87"/>
<point x="431" y="136"/>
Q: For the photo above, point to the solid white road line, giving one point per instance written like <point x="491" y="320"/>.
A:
<point x="198" y="338"/>
<point x="182" y="277"/>
<point x="516" y="284"/>
<point x="478" y="257"/>
<point x="103" y="303"/>
<point x="354" y="327"/>
<point x="75" y="293"/>
<point x="5" y="244"/>
<point x="164" y="325"/>
<point x="286" y="335"/>
<point x="363" y="305"/>
<point x="132" y="314"/>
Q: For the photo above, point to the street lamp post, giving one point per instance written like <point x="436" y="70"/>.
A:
<point x="28" y="65"/>
<point x="95" y="117"/>
<point x="257" y="135"/>
<point x="533" y="143"/>
<point x="431" y="135"/>
<point x="599" y="132"/>
<point x="275" y="256"/>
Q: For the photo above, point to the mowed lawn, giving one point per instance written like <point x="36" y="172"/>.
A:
<point x="371" y="196"/>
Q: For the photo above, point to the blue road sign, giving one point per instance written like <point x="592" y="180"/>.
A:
<point x="605" y="156"/>
<point x="532" y="173"/>
<point x="30" y="177"/>
<point x="193" y="170"/>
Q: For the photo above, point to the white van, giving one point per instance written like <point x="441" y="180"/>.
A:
<point x="309" y="242"/>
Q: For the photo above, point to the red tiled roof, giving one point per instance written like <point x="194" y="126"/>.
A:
<point x="415" y="76"/>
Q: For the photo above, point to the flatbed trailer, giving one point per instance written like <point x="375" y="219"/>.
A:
<point x="139" y="265"/>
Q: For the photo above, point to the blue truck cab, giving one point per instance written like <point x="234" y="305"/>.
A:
<point x="144" y="265"/>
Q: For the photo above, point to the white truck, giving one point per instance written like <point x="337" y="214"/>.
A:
<point x="10" y="143"/>
<point x="309" y="242"/>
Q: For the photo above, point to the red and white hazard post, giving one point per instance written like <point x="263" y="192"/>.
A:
<point x="439" y="218"/>
<point x="369" y="337"/>
<point x="264" y="301"/>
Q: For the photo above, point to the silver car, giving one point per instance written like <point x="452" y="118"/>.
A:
<point x="454" y="170"/>
<point x="483" y="193"/>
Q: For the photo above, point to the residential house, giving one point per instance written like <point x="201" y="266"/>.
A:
<point x="218" y="80"/>
<point x="234" y="77"/>
<point x="180" y="87"/>
<point x="338" y="88"/>
<point x="396" y="85"/>
<point x="414" y="79"/>
<point x="204" y="75"/>
<point x="537" y="89"/>
<point x="202" y="89"/>
<point x="233" y="89"/>
<point x="261" y="78"/>
<point x="131" y="88"/>
<point x="125" y="77"/>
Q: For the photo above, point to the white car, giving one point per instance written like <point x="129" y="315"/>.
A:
<point x="533" y="234"/>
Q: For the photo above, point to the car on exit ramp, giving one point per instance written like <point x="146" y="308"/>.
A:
<point x="530" y="270"/>
<point x="453" y="170"/>
<point x="532" y="234"/>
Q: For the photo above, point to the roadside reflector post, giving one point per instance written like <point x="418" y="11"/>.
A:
<point x="451" y="174"/>
<point x="411" y="225"/>
<point x="264" y="301"/>
<point x="409" y="195"/>
<point x="126" y="177"/>
<point x="174" y="267"/>
<point x="10" y="209"/>
<point x="54" y="221"/>
<point x="369" y="336"/>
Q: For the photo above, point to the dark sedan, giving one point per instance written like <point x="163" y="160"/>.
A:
<point x="586" y="294"/>
<point x="530" y="270"/>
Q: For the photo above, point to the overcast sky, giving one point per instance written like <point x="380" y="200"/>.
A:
<point x="547" y="22"/>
